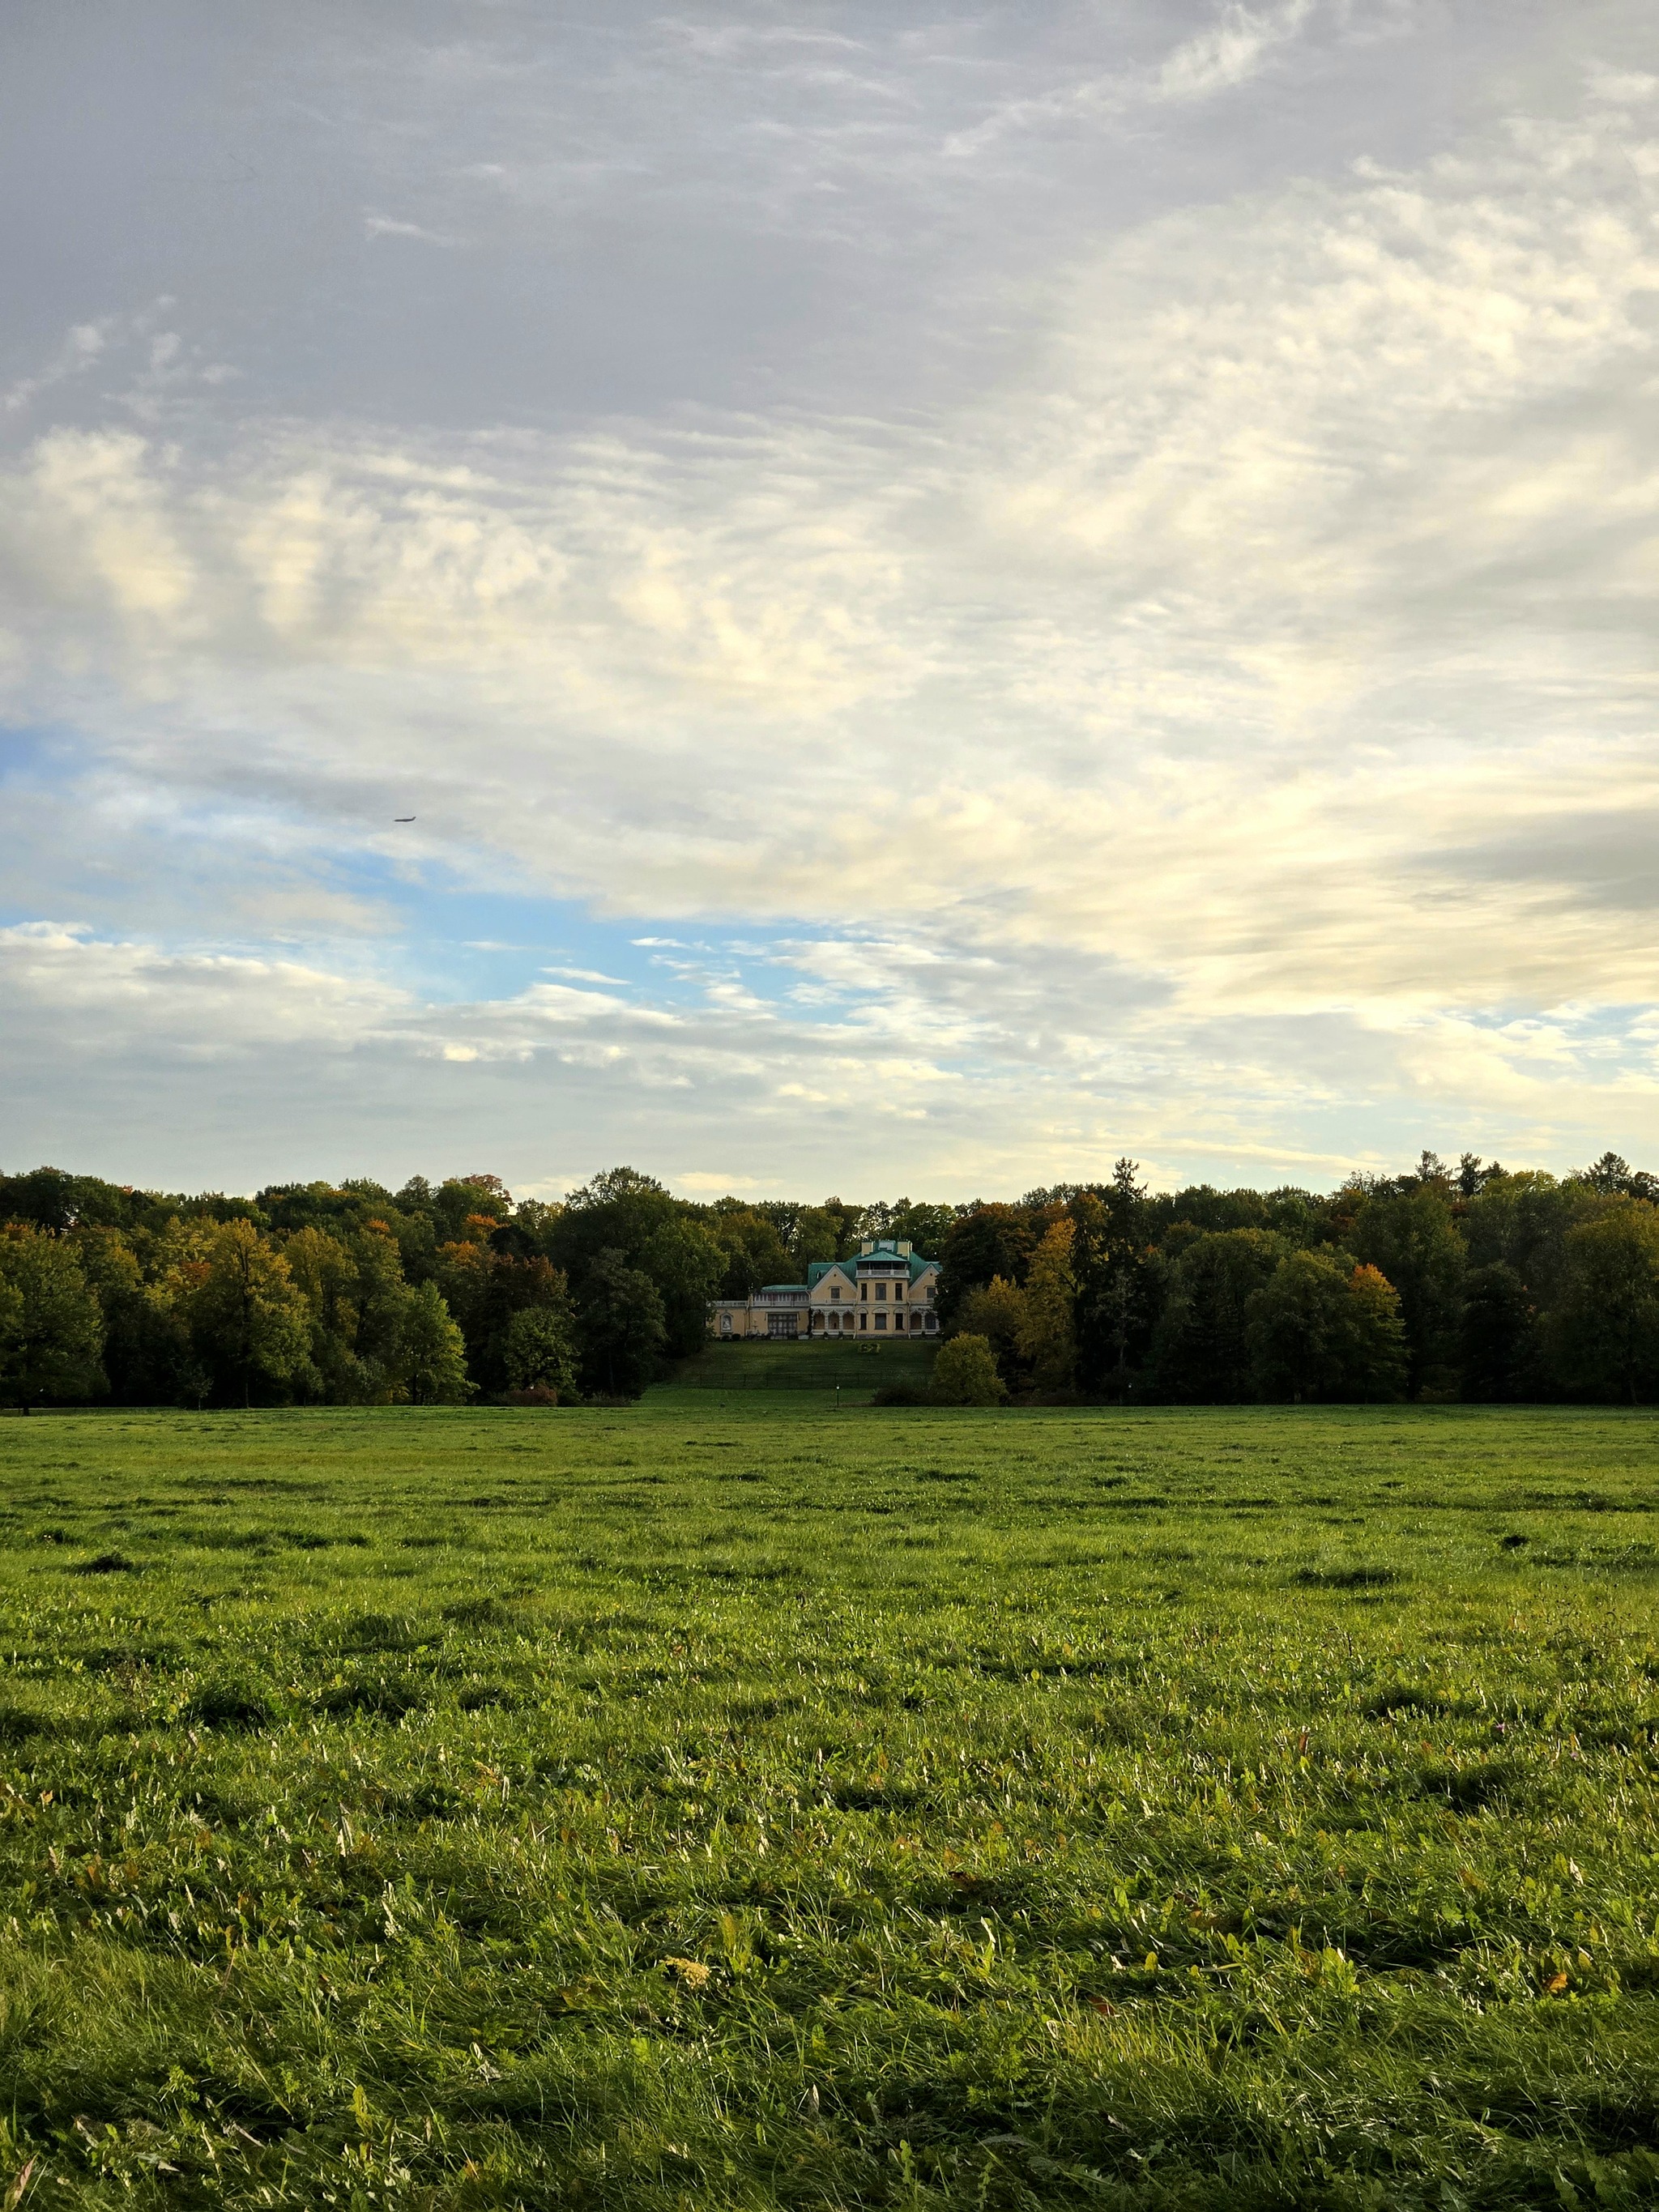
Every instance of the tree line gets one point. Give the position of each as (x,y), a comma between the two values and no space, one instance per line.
(1472,1282)
(353,1294)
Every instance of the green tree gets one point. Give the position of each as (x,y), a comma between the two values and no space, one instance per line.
(986,1242)
(246,1317)
(630,1215)
(686,1265)
(51,1329)
(1370,1341)
(1522,1220)
(997,1312)
(965,1374)
(381,1297)
(1202,1353)
(1604,1334)
(819,1235)
(751,1250)
(915,1222)
(469,1198)
(1409,1236)
(1322,1327)
(541,1350)
(431,1356)
(623,1327)
(324,1274)
(1497,1334)
(1118,1274)
(146,1354)
(11,1323)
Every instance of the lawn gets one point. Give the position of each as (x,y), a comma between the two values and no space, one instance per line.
(744,1800)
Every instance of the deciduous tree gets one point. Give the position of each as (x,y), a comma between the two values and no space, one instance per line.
(432,1353)
(1322,1328)
(51,1329)
(623,1327)
(1605,1332)
(1202,1353)
(1048,1334)
(541,1350)
(246,1317)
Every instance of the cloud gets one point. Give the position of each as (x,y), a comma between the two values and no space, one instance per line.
(385,225)
(1231,51)
(1232,719)
(81,349)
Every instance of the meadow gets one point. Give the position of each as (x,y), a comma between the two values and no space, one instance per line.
(737,1800)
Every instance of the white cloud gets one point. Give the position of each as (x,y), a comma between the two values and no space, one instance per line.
(1229,705)
(1231,51)
(387,226)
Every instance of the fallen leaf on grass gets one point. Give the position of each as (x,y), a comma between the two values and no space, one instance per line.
(692,1971)
(1555,1984)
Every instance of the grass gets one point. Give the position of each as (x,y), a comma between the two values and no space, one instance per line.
(855,1367)
(737,1802)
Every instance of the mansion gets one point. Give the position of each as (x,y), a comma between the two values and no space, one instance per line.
(887,1290)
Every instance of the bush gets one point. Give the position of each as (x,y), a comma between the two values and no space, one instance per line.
(965,1374)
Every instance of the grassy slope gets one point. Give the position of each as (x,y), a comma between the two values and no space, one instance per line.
(855,1368)
(741,1804)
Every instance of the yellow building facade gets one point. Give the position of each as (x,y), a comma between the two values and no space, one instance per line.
(885,1290)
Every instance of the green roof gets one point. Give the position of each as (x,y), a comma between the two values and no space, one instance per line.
(886,1249)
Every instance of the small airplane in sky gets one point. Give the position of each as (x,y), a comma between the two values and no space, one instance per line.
(402,818)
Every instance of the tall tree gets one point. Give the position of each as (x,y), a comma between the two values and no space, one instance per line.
(541,1350)
(51,1329)
(1322,1328)
(996,1312)
(1201,1352)
(147,1354)
(988,1241)
(1118,1283)
(623,1327)
(1410,1236)
(627,1213)
(432,1355)
(246,1317)
(1047,1337)
(1605,1332)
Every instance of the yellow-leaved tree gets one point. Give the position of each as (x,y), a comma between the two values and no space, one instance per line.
(1047,1333)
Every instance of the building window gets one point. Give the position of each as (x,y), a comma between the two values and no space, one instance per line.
(863,1291)
(881,1290)
(881,1321)
(864,1321)
(835,1289)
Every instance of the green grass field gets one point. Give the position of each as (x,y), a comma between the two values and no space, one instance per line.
(737,1802)
(855,1368)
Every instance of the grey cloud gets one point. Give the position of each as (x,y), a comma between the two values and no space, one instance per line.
(1596,858)
(1097,563)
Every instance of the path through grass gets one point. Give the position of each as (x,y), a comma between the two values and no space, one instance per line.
(743,1803)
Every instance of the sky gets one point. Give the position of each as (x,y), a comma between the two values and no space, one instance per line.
(953,591)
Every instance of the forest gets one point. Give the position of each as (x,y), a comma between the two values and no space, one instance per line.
(1473,1282)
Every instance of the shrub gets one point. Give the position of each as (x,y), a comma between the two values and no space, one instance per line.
(965,1374)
